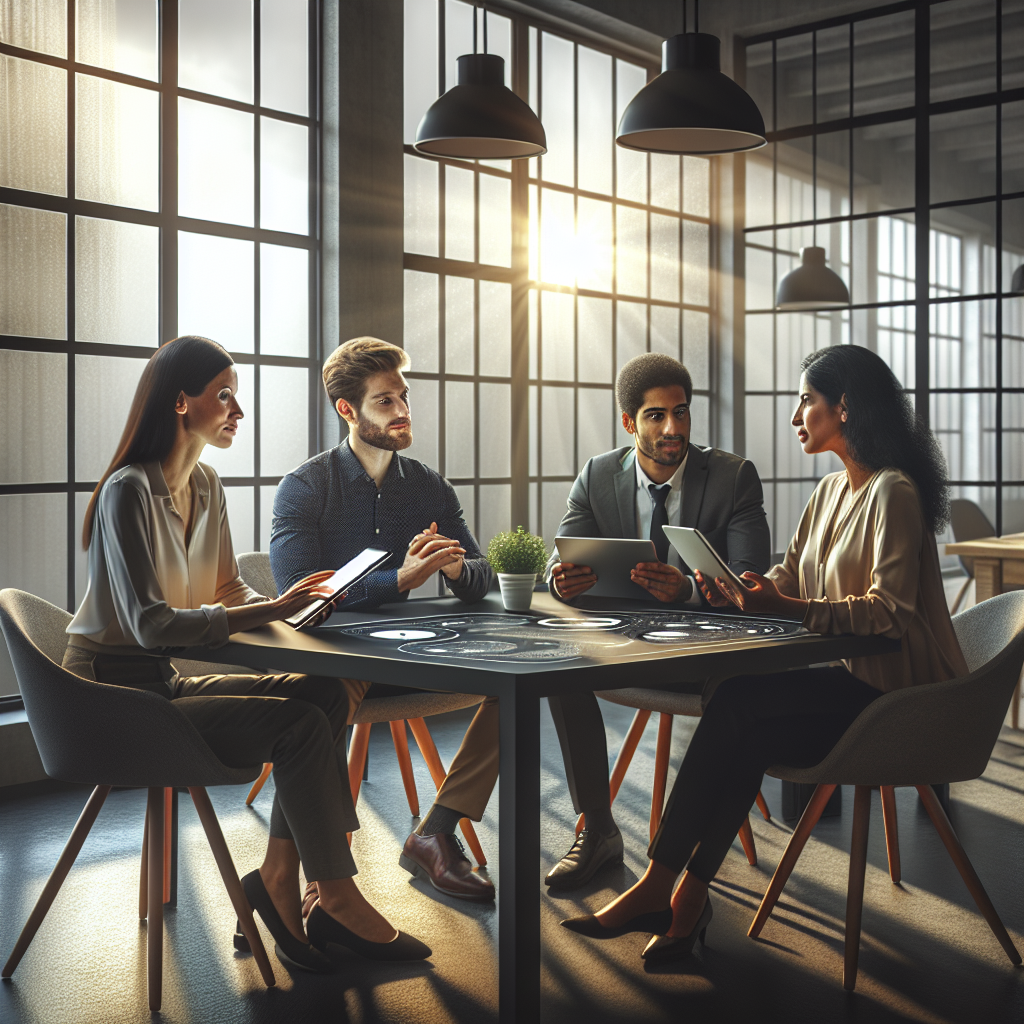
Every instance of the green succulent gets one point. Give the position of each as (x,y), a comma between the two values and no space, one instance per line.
(518,552)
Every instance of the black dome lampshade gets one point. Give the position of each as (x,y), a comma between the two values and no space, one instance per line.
(480,118)
(811,285)
(691,107)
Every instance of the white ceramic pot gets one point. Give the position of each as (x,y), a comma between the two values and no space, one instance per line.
(516,590)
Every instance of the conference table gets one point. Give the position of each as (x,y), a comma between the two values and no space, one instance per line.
(521,657)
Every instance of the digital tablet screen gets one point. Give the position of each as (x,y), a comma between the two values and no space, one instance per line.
(697,553)
(612,559)
(349,574)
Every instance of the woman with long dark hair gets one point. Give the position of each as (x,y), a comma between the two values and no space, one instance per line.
(863,560)
(162,575)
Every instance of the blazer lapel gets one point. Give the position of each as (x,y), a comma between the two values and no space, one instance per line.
(695,478)
(625,495)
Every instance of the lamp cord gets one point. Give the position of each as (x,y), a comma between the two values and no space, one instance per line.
(696,16)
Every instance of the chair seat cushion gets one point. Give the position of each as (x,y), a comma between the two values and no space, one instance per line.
(665,701)
(416,704)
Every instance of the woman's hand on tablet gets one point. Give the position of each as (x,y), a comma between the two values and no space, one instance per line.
(761,596)
(304,593)
(663,581)
(712,594)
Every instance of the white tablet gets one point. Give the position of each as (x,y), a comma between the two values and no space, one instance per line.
(611,558)
(697,553)
(349,574)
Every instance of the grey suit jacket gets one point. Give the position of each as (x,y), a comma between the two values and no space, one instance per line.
(722,498)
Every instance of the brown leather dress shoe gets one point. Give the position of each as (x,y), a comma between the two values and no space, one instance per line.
(440,859)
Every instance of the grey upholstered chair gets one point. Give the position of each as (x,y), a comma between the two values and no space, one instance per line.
(396,710)
(105,736)
(919,736)
(667,704)
(968,522)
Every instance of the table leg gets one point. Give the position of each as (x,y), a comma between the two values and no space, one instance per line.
(988,579)
(519,858)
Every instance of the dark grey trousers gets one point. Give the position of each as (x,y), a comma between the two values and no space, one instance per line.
(297,722)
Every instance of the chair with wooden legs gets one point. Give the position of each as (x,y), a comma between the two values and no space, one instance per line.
(667,704)
(398,710)
(920,736)
(106,736)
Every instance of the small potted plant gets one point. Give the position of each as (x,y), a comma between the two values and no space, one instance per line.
(517,558)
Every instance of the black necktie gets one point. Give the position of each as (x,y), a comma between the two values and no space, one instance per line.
(659,518)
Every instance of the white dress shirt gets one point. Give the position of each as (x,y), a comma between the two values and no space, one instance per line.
(673,509)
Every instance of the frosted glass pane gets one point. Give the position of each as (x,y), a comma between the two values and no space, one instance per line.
(495,513)
(458,214)
(284,176)
(420,331)
(630,166)
(594,245)
(557,414)
(116,282)
(284,419)
(33,130)
(759,435)
(458,33)
(104,389)
(553,505)
(267,495)
(696,347)
(215,172)
(33,549)
(630,333)
(556,324)
(215,47)
(533,333)
(238,459)
(495,220)
(595,423)
(631,251)
(458,333)
(215,289)
(117,135)
(423,399)
(665,330)
(664,257)
(284,67)
(32,272)
(495,429)
(665,181)
(35,25)
(120,35)
(284,303)
(421,206)
(594,336)
(419,65)
(81,555)
(241,518)
(596,121)
(695,258)
(557,238)
(460,444)
(557,102)
(696,186)
(495,329)
(34,448)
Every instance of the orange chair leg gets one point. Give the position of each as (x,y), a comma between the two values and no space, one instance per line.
(892,839)
(435,766)
(405,764)
(762,806)
(855,888)
(747,841)
(802,832)
(258,784)
(661,757)
(625,757)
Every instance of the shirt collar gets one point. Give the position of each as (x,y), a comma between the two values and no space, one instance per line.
(158,485)
(352,468)
(675,482)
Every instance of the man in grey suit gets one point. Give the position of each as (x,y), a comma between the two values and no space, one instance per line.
(662,479)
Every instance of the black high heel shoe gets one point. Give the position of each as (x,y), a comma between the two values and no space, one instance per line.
(663,948)
(325,931)
(291,951)
(654,921)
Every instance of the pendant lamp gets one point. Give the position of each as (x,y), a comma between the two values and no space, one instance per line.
(691,107)
(811,285)
(480,118)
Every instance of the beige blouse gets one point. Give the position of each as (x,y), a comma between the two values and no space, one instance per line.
(146,590)
(873,567)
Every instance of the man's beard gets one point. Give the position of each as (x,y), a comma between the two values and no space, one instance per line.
(375,437)
(664,458)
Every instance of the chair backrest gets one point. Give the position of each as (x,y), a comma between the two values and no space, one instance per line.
(968,522)
(938,732)
(254,568)
(96,733)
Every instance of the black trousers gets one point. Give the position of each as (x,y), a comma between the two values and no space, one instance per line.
(751,723)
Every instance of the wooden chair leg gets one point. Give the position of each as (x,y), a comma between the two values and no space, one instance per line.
(155,917)
(1015,707)
(661,756)
(428,749)
(57,876)
(892,839)
(966,869)
(762,806)
(168,838)
(625,757)
(357,751)
(258,784)
(222,856)
(855,888)
(747,841)
(401,742)
(144,874)
(960,595)
(812,812)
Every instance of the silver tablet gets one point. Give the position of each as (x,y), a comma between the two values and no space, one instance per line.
(347,576)
(611,559)
(697,553)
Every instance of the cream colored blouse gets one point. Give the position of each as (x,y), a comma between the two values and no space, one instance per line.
(872,566)
(146,590)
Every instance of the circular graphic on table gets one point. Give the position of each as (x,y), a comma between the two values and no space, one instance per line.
(665,635)
(592,623)
(404,634)
(466,648)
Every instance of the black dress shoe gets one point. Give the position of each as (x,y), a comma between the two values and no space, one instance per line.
(663,948)
(655,921)
(588,854)
(328,933)
(291,951)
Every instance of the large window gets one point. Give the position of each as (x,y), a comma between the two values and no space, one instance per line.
(896,140)
(157,177)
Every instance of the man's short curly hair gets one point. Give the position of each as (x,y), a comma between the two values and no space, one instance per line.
(350,366)
(646,371)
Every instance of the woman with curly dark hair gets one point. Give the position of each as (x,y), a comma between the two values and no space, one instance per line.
(863,560)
